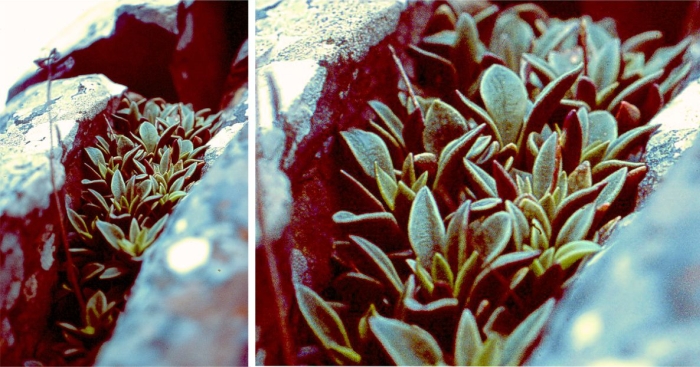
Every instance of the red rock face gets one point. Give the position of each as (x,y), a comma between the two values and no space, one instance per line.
(210,32)
(31,247)
(135,54)
(146,49)
(30,272)
(674,18)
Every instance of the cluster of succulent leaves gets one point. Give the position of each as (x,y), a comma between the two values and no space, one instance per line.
(151,157)
(468,207)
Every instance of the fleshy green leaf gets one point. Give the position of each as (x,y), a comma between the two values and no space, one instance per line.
(481,180)
(407,345)
(619,148)
(665,55)
(118,185)
(443,123)
(635,42)
(545,167)
(90,270)
(572,252)
(525,334)
(322,319)
(394,125)
(468,339)
(602,127)
(95,156)
(490,353)
(387,186)
(520,225)
(547,101)
(553,37)
(605,67)
(458,236)
(149,136)
(481,117)
(441,269)
(543,70)
(452,155)
(164,161)
(111,233)
(368,148)
(467,50)
(492,236)
(111,273)
(426,232)
(505,98)
(380,261)
(78,223)
(155,229)
(615,182)
(534,210)
(577,226)
(124,144)
(512,30)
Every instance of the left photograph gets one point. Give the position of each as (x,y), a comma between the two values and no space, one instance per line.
(124,183)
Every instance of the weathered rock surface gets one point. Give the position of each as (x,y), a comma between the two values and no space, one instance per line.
(179,51)
(638,302)
(234,118)
(310,47)
(680,121)
(189,304)
(29,234)
(132,43)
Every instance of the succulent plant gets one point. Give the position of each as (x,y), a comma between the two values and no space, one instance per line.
(151,157)
(471,204)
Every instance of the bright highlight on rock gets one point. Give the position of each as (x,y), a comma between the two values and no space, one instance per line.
(188,254)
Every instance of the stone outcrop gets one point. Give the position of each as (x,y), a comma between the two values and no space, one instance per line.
(132,43)
(680,121)
(30,239)
(179,51)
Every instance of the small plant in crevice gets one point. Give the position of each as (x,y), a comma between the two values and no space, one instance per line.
(471,201)
(133,177)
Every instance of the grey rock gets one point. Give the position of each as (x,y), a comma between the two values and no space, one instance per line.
(131,42)
(29,226)
(299,42)
(234,119)
(295,30)
(679,123)
(273,196)
(179,51)
(638,302)
(189,303)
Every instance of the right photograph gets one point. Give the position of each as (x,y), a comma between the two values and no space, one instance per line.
(477,183)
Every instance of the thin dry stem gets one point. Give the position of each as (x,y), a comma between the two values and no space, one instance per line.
(70,267)
(404,76)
